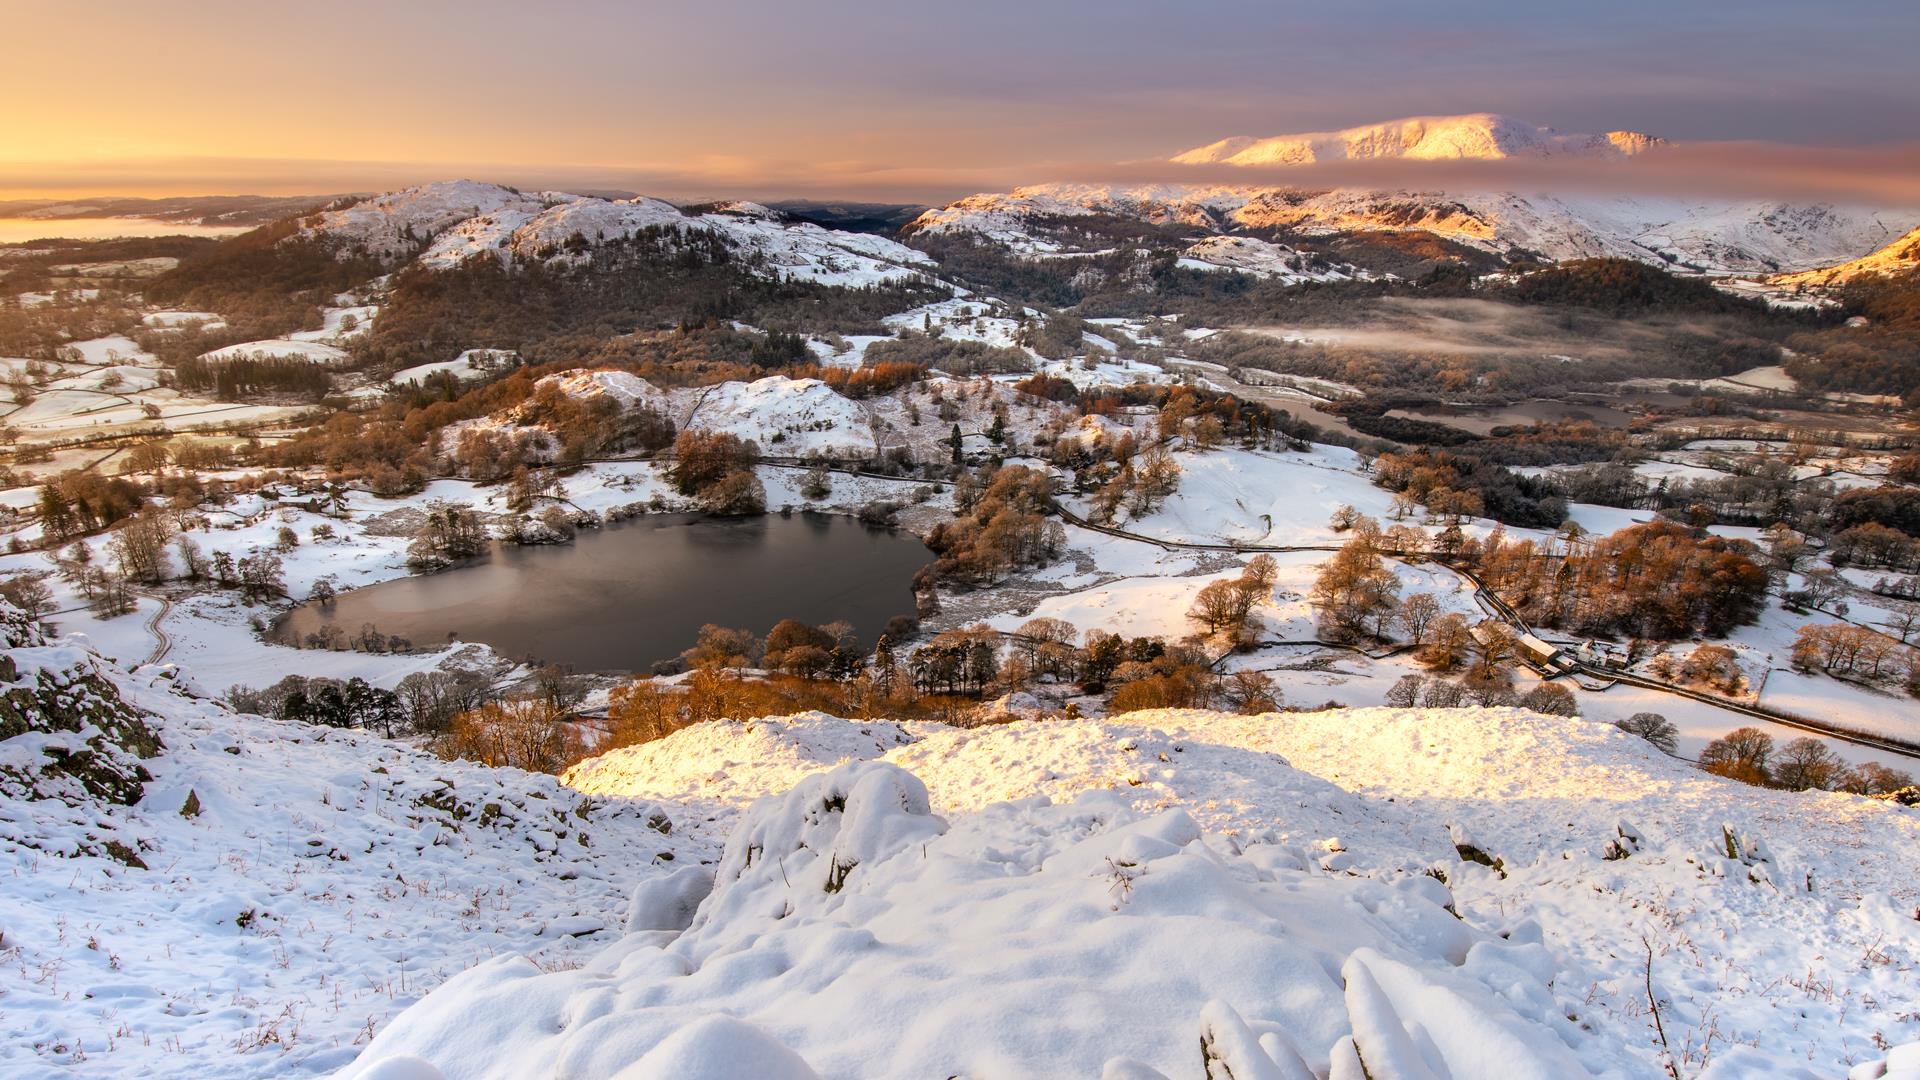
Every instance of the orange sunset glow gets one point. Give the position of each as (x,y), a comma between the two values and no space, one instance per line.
(1005,540)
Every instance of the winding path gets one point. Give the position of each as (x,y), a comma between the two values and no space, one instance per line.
(162,644)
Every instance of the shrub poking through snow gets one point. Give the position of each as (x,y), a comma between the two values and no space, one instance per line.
(1472,852)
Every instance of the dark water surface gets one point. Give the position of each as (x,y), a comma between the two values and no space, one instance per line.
(1482,421)
(621,597)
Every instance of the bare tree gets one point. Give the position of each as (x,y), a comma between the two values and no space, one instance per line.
(1652,727)
(1405,692)
(1742,754)
(1417,613)
(1807,763)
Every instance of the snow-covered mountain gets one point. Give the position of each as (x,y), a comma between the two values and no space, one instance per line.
(447,224)
(1703,234)
(1475,136)
(1708,235)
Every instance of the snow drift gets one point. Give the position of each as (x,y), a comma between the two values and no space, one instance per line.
(866,936)
(1584,862)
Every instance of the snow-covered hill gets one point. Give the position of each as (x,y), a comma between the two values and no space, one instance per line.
(1708,235)
(449,223)
(1180,894)
(1900,257)
(1479,136)
(394,224)
(786,417)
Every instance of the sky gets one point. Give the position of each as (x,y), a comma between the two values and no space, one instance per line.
(884,100)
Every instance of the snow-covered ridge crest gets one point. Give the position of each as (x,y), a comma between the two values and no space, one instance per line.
(448,224)
(1474,136)
(394,224)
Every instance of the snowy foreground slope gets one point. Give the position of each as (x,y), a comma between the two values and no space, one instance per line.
(1450,893)
(1372,892)
(326,880)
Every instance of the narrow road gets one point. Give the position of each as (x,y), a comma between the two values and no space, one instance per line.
(162,644)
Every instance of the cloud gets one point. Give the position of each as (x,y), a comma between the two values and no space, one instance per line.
(1885,175)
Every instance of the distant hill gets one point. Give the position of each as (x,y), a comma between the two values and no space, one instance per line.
(251,210)
(1900,257)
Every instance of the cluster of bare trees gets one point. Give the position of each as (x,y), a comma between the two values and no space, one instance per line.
(999,527)
(1356,594)
(1454,487)
(1428,692)
(335,638)
(1140,484)
(1223,608)
(448,534)
(1716,667)
(1749,755)
(147,548)
(1658,580)
(523,732)
(424,703)
(717,469)
(1857,652)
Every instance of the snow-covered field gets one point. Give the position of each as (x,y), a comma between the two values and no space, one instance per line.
(318,352)
(470,364)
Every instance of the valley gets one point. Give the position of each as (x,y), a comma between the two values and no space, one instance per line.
(1375,626)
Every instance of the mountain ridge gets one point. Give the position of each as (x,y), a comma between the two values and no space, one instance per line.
(1719,236)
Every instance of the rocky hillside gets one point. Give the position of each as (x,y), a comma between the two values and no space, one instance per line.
(187,891)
